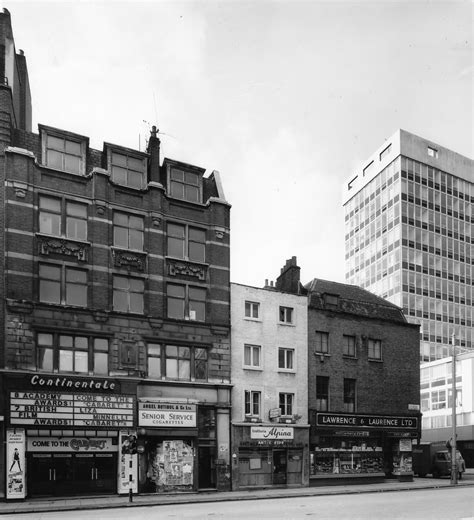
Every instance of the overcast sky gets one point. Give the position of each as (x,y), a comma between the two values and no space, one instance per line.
(284,98)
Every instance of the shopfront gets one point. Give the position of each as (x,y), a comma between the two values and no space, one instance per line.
(63,435)
(356,446)
(269,456)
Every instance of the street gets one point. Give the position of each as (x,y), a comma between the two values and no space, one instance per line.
(445,504)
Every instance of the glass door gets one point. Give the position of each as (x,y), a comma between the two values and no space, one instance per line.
(40,474)
(84,472)
(63,474)
(104,473)
(279,467)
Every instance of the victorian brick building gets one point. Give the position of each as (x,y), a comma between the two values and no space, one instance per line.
(363,385)
(115,311)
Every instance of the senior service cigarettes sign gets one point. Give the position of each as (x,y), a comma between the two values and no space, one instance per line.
(167,415)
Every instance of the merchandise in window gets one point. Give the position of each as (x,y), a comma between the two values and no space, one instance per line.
(252,309)
(70,353)
(62,285)
(186,302)
(128,231)
(62,218)
(186,243)
(286,314)
(285,358)
(128,294)
(185,185)
(64,154)
(128,170)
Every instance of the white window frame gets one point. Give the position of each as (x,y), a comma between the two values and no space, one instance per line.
(252,349)
(286,351)
(66,138)
(372,346)
(286,315)
(128,169)
(252,306)
(287,395)
(251,394)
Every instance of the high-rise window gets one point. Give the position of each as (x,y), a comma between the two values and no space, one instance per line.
(187,243)
(286,314)
(321,342)
(62,218)
(128,294)
(286,403)
(186,302)
(62,285)
(349,395)
(185,185)
(322,393)
(128,231)
(64,154)
(128,170)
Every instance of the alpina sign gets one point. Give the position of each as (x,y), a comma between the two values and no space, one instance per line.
(271,432)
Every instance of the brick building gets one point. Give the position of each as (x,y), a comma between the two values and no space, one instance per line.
(269,383)
(363,384)
(115,357)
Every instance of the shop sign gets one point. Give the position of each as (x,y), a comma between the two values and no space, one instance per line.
(72,383)
(405,444)
(47,408)
(15,466)
(381,422)
(274,413)
(128,464)
(73,444)
(271,432)
(167,414)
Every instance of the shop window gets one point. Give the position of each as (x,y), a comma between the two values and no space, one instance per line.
(321,342)
(252,309)
(62,218)
(375,349)
(64,154)
(186,302)
(184,363)
(348,346)
(252,356)
(128,294)
(128,170)
(185,185)
(62,285)
(286,314)
(186,242)
(322,393)
(286,358)
(350,395)
(71,353)
(252,403)
(128,231)
(286,404)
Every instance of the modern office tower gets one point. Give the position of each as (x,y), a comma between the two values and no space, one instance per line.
(409,236)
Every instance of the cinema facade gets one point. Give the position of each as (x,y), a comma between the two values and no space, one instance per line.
(67,435)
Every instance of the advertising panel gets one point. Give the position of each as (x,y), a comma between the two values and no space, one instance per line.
(72,445)
(128,463)
(167,414)
(15,467)
(271,432)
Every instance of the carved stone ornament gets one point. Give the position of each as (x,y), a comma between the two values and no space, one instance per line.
(156,220)
(219,234)
(129,259)
(20,189)
(184,268)
(62,246)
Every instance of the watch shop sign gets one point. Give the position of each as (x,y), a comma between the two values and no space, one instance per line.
(271,432)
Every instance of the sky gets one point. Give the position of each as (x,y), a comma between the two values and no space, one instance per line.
(286,99)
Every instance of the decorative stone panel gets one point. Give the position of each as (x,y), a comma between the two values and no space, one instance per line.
(61,246)
(131,260)
(186,269)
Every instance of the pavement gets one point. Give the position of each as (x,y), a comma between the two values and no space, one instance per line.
(45,505)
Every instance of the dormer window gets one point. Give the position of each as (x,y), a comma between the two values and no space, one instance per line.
(64,151)
(128,170)
(185,185)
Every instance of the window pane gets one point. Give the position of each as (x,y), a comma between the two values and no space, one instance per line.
(136,164)
(119,159)
(73,147)
(120,301)
(121,237)
(197,310)
(76,228)
(50,224)
(191,178)
(55,142)
(184,369)
(50,292)
(76,276)
(136,303)
(172,368)
(45,359)
(72,164)
(154,367)
(54,159)
(175,308)
(135,179)
(65,360)
(101,363)
(192,193)
(101,344)
(136,239)
(197,294)
(66,341)
(177,175)
(176,290)
(177,190)
(81,342)
(256,356)
(119,175)
(247,355)
(176,247)
(45,339)
(197,252)
(80,361)
(154,349)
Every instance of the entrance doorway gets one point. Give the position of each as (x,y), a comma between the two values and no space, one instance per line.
(279,467)
(207,470)
(62,474)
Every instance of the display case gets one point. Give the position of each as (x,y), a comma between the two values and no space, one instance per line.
(346,461)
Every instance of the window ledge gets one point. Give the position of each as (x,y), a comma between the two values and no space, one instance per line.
(375,360)
(287,370)
(255,369)
(257,320)
(285,324)
(49,169)
(346,356)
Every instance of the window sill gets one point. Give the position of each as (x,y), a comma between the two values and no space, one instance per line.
(255,369)
(346,356)
(257,320)
(285,324)
(375,360)
(81,175)
(286,370)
